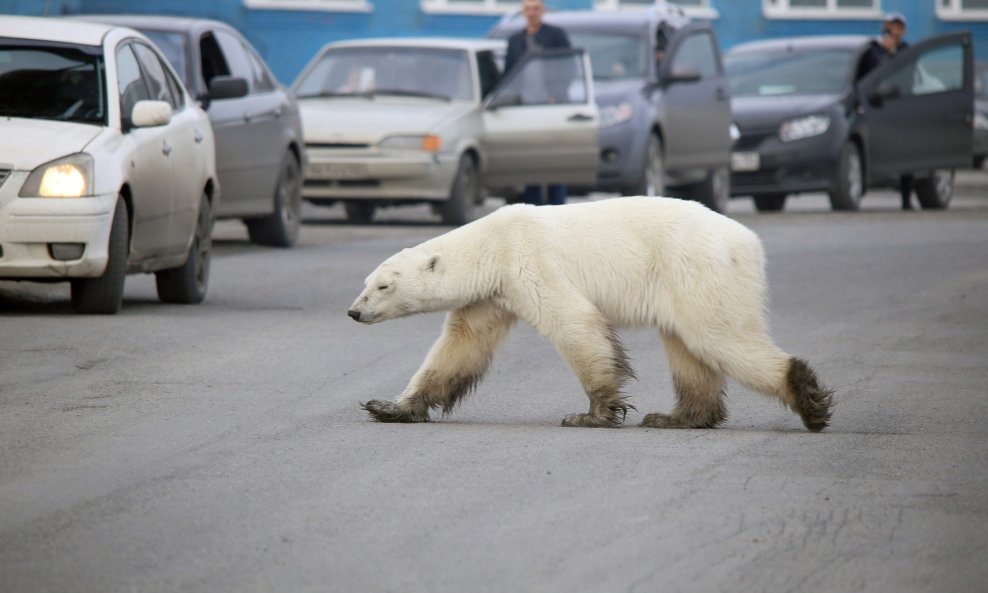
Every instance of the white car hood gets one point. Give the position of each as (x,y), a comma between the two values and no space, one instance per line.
(367,121)
(27,143)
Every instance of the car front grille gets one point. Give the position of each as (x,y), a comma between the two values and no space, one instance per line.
(332,145)
(751,141)
(4,174)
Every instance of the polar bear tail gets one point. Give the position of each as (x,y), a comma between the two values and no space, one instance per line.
(810,400)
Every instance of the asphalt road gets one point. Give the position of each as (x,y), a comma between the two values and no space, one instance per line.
(220,448)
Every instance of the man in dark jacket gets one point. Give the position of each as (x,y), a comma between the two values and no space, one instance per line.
(536,36)
(890,44)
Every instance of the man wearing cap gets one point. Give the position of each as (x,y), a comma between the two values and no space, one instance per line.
(890,44)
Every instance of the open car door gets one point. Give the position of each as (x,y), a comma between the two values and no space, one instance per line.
(919,108)
(540,122)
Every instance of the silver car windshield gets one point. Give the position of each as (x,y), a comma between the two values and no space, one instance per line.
(613,55)
(403,71)
(817,72)
(57,82)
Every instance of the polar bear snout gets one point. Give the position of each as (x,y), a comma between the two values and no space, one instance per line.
(354,314)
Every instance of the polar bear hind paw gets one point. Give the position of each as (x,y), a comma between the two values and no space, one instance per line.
(385,411)
(659,420)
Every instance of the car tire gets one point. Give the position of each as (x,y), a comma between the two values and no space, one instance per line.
(714,192)
(104,295)
(849,185)
(464,194)
(770,202)
(281,228)
(934,192)
(652,177)
(187,283)
(360,211)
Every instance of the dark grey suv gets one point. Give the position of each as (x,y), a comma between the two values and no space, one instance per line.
(664,125)
(259,147)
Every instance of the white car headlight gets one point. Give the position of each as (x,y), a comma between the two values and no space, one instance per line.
(612,115)
(67,177)
(735,132)
(804,127)
(980,121)
(426,142)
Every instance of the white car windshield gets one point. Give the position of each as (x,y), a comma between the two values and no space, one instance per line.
(816,72)
(51,82)
(403,71)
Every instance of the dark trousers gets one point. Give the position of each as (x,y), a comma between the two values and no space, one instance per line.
(906,185)
(534,194)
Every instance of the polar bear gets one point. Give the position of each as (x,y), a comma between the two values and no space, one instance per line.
(577,273)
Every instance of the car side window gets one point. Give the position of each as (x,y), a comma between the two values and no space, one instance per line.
(236,58)
(698,52)
(262,80)
(157,79)
(130,81)
(212,61)
(937,70)
(548,78)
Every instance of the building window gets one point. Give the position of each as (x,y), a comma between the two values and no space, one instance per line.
(694,8)
(471,6)
(827,9)
(331,5)
(962,10)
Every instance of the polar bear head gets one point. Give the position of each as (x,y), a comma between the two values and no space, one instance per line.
(410,281)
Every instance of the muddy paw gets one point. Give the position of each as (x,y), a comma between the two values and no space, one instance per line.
(384,411)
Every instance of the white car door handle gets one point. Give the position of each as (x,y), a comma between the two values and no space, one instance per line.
(166,148)
(580,117)
(198,137)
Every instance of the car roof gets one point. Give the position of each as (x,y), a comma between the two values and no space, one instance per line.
(661,11)
(154,21)
(54,29)
(469,44)
(808,42)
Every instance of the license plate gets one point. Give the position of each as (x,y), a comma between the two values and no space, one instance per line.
(337,170)
(745,161)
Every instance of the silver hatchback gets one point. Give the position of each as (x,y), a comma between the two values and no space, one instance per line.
(403,121)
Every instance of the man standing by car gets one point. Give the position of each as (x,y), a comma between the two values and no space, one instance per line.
(890,44)
(536,36)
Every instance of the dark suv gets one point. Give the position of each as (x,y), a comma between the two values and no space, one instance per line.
(664,124)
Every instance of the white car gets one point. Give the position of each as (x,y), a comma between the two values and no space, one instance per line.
(400,121)
(107,165)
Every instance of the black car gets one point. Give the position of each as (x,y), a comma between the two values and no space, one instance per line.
(665,126)
(810,119)
(259,147)
(980,115)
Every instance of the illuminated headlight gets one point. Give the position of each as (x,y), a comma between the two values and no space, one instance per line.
(980,121)
(67,177)
(735,132)
(804,127)
(426,142)
(612,115)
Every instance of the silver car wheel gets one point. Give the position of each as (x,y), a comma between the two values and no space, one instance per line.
(654,169)
(855,178)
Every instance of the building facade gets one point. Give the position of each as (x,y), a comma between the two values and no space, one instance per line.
(288,32)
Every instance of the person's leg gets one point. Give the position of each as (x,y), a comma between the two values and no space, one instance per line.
(906,185)
(557,194)
(533,195)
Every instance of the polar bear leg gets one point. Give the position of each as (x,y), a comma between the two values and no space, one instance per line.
(591,346)
(699,390)
(454,365)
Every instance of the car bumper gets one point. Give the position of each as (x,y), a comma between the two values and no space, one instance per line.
(785,167)
(39,237)
(373,174)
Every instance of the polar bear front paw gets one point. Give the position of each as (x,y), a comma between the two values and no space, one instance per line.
(592,421)
(384,411)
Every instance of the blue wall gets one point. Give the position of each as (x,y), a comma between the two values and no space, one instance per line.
(288,38)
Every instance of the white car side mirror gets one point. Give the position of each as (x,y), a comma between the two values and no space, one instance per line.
(150,113)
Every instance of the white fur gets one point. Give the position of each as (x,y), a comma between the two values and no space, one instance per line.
(576,271)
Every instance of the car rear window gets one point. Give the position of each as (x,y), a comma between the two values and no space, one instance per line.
(57,82)
(773,72)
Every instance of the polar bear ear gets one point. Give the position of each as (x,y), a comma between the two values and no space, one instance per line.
(432,264)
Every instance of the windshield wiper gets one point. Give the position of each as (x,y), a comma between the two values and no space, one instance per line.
(335,94)
(409,93)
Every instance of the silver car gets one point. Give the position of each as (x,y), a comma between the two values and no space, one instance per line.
(402,121)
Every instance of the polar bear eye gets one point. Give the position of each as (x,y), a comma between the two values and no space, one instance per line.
(382,287)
